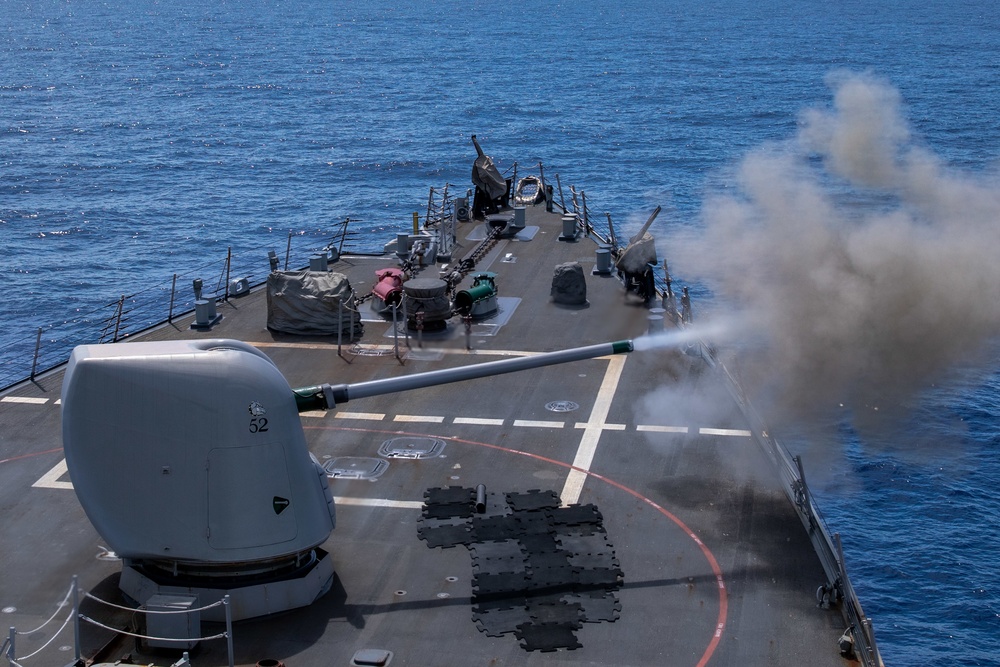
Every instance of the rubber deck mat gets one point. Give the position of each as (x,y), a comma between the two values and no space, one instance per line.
(540,571)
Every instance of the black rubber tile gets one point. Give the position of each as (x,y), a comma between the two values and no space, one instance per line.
(562,613)
(575,515)
(546,637)
(448,510)
(445,536)
(451,494)
(533,500)
(499,622)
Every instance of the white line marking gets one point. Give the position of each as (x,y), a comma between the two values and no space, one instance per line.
(50,480)
(606,427)
(531,423)
(314,413)
(24,399)
(725,431)
(367,416)
(477,421)
(423,419)
(653,428)
(592,434)
(378,502)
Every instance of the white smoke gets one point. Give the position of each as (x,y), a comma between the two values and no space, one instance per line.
(865,265)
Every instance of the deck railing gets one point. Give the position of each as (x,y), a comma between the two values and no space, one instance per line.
(45,347)
(858,639)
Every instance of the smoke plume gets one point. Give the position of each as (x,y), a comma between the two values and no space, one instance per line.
(864,265)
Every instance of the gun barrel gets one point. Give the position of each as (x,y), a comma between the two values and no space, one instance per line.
(645,226)
(326,396)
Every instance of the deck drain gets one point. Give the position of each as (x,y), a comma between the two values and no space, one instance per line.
(355,467)
(411,447)
(562,406)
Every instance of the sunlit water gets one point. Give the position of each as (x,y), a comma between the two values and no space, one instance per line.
(140,138)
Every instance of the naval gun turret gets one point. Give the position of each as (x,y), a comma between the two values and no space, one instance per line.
(190,460)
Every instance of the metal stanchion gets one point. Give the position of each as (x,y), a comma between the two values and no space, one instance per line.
(229,628)
(76,618)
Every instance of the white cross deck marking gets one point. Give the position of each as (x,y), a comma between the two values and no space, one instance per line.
(592,432)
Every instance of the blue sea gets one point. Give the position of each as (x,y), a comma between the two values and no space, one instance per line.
(141,139)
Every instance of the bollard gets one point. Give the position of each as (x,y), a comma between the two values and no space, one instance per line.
(480,498)
(318,262)
(203,312)
(568,228)
(603,265)
(519,219)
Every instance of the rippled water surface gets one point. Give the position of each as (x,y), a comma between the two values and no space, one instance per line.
(141,138)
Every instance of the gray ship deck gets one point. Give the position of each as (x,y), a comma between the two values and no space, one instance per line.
(716,567)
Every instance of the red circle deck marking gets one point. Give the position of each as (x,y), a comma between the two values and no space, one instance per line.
(31,455)
(709,556)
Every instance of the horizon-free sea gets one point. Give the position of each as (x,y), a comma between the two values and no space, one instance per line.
(140,138)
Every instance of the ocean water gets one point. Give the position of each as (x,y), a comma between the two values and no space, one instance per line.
(139,139)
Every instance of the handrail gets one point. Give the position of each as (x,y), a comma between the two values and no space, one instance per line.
(44,348)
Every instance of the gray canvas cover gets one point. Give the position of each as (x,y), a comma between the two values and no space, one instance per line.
(309,303)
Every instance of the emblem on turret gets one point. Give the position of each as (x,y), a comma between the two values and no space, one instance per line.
(256,409)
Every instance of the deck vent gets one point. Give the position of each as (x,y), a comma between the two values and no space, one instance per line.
(562,406)
(411,447)
(355,467)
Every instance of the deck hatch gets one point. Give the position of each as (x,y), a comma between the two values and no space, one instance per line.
(411,447)
(371,657)
(355,467)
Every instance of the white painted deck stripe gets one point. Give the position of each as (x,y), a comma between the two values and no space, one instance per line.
(532,423)
(367,416)
(314,413)
(477,421)
(735,432)
(606,427)
(378,502)
(420,419)
(654,428)
(592,434)
(24,399)
(50,480)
